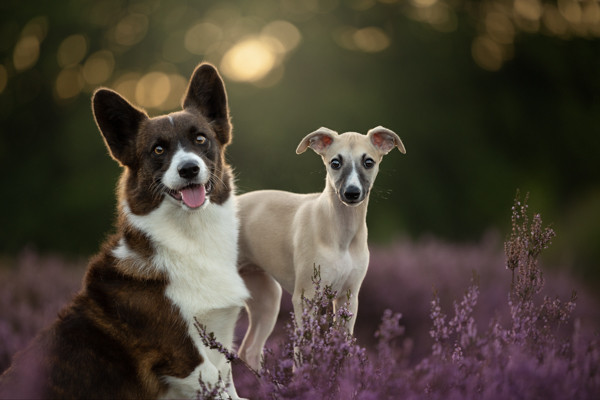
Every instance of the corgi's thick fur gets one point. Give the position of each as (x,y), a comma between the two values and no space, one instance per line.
(129,333)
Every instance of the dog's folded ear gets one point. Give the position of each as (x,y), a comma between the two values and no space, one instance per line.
(318,140)
(385,140)
(119,122)
(206,94)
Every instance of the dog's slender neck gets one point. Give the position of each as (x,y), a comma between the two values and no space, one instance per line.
(344,223)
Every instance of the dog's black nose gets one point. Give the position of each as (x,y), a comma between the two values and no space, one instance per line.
(352,193)
(188,170)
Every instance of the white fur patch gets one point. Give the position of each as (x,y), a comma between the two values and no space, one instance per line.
(123,252)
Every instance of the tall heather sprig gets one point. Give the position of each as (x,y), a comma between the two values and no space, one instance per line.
(535,323)
(320,355)
(527,358)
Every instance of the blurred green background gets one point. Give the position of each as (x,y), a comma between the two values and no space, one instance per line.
(488,96)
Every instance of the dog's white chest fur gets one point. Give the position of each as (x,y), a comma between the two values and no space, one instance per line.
(198,251)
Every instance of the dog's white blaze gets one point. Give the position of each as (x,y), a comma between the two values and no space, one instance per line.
(171,178)
(198,252)
(353,179)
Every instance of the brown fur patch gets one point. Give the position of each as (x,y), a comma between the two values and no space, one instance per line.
(117,339)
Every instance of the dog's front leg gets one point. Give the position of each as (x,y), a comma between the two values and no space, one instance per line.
(352,306)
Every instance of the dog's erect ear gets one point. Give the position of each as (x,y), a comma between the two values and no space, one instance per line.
(318,140)
(118,122)
(206,94)
(385,140)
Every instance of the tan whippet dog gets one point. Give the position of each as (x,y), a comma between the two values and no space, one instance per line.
(283,235)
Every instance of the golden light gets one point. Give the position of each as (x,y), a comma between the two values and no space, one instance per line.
(500,27)
(249,60)
(3,78)
(284,32)
(487,53)
(37,27)
(528,9)
(178,85)
(371,39)
(126,84)
(99,67)
(26,53)
(554,21)
(153,89)
(423,3)
(131,29)
(571,10)
(591,17)
(202,38)
(69,83)
(71,51)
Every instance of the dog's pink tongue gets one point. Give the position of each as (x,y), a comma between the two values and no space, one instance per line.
(193,196)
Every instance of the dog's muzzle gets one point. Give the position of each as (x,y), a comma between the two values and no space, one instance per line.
(351,195)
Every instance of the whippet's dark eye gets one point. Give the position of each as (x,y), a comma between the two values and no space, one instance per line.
(200,139)
(159,150)
(369,163)
(335,164)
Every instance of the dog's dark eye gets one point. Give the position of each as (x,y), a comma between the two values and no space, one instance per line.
(369,163)
(200,139)
(159,150)
(335,163)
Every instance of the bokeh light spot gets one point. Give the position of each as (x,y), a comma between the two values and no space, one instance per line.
(285,32)
(37,27)
(69,83)
(423,3)
(153,89)
(487,53)
(98,68)
(554,21)
(126,84)
(371,39)
(178,85)
(26,53)
(249,60)
(528,9)
(571,10)
(72,50)
(500,27)
(131,29)
(202,38)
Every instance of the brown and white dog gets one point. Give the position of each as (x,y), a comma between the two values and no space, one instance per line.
(284,235)
(130,332)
